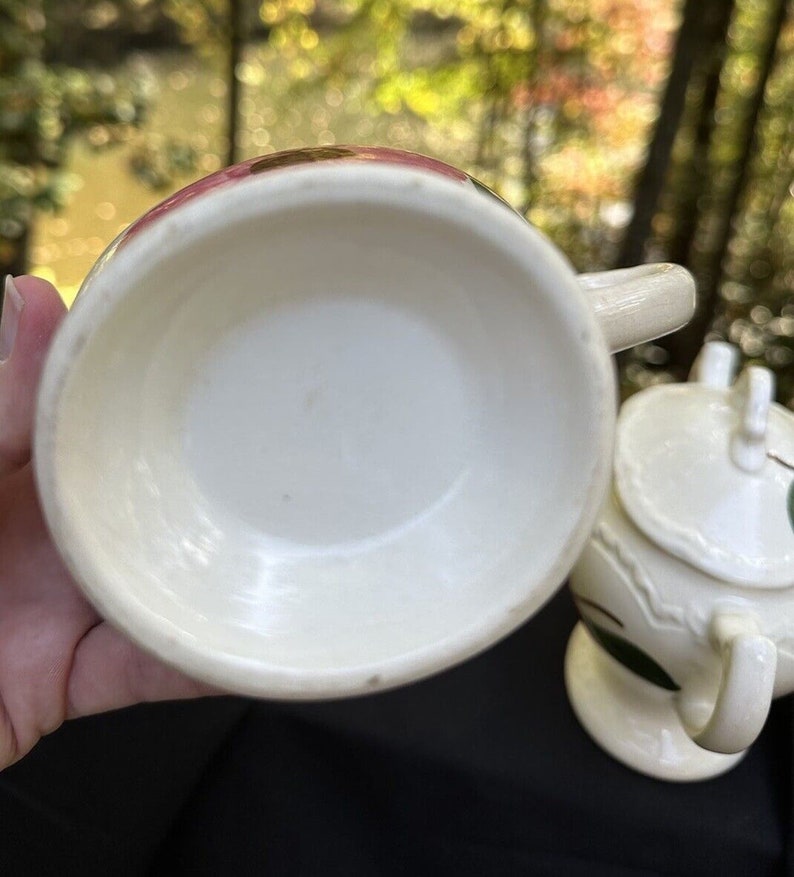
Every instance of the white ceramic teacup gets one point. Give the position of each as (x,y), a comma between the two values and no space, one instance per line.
(333,420)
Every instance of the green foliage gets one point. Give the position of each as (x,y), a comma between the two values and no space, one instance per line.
(549,100)
(159,162)
(41,106)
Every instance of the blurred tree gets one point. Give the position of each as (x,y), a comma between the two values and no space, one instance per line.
(549,101)
(697,63)
(219,29)
(724,209)
(236,30)
(756,289)
(41,106)
(530,84)
(98,33)
(552,96)
(684,346)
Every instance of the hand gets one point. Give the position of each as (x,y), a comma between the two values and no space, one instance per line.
(58,658)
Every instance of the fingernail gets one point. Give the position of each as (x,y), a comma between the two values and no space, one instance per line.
(12,305)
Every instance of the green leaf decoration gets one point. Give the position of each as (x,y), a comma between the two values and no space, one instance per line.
(632,657)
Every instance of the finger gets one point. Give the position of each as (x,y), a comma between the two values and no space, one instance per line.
(42,619)
(32,311)
(109,672)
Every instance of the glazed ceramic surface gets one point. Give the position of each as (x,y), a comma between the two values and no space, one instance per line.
(332,420)
(685,587)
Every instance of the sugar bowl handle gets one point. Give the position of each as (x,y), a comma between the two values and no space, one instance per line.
(634,305)
(749,663)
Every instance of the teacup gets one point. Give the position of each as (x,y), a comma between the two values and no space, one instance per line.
(685,588)
(332,420)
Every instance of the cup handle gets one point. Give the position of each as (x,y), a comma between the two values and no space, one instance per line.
(749,663)
(634,305)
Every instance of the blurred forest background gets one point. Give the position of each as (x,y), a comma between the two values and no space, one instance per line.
(628,130)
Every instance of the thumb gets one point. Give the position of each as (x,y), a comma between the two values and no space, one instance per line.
(31,312)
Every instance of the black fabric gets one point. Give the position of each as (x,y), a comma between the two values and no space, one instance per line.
(99,795)
(482,770)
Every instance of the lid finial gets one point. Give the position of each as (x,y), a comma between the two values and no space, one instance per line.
(716,364)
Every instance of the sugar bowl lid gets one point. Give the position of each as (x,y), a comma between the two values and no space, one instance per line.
(705,469)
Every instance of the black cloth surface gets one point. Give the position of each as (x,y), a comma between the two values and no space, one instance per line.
(482,770)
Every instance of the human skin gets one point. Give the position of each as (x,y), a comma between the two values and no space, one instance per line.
(58,659)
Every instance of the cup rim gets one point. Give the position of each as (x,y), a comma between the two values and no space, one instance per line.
(111,281)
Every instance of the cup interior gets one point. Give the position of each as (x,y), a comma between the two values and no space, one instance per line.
(325,432)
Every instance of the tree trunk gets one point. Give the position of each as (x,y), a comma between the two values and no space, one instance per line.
(692,191)
(683,347)
(537,16)
(694,35)
(236,45)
